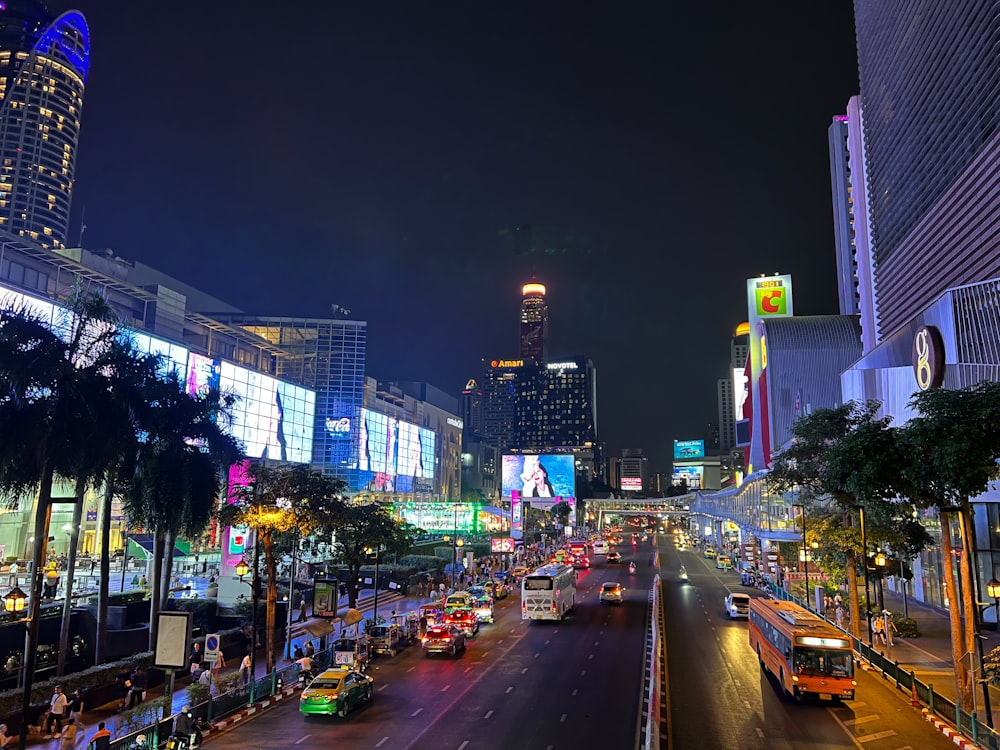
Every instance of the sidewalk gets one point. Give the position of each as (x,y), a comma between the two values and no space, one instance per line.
(108,713)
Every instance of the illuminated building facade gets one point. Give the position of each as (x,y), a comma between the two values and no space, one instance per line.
(556,405)
(500,386)
(43,70)
(534,331)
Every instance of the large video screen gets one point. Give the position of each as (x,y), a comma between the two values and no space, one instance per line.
(689,449)
(534,475)
(398,456)
(273,418)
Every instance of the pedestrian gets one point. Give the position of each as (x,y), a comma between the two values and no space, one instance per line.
(123,682)
(137,693)
(309,650)
(57,710)
(5,739)
(101,739)
(14,570)
(879,627)
(297,652)
(184,725)
(220,663)
(93,565)
(195,659)
(205,678)
(67,739)
(888,627)
(135,581)
(142,581)
(245,670)
(838,614)
(75,705)
(302,610)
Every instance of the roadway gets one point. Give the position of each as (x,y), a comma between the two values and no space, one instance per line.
(526,685)
(720,698)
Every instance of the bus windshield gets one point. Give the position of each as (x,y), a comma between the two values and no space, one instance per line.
(820,662)
(533,583)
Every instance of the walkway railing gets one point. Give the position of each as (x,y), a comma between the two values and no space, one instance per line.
(906,681)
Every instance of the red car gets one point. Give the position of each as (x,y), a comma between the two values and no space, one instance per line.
(465,619)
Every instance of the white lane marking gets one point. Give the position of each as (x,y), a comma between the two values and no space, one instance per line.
(862,720)
(575,691)
(524,671)
(302,739)
(877,736)
(562,719)
(411,669)
(583,673)
(416,712)
(381,688)
(746,703)
(381,742)
(509,689)
(468,669)
(760,732)
(463,745)
(488,714)
(596,643)
(536,656)
(548,642)
(445,688)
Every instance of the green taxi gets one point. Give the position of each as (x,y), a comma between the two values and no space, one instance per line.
(336,691)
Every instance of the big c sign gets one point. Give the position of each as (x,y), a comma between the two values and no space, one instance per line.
(928,358)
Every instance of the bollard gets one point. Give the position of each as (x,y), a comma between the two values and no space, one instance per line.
(914,698)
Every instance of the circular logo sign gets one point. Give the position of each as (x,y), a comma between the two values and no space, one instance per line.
(928,358)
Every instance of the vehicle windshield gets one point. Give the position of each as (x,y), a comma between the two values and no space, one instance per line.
(344,646)
(816,661)
(537,583)
(326,683)
(379,631)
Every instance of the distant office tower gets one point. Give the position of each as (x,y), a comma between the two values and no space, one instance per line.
(556,405)
(43,69)
(500,393)
(731,391)
(851,230)
(470,407)
(534,323)
(930,93)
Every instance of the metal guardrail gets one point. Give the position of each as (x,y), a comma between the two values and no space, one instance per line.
(907,682)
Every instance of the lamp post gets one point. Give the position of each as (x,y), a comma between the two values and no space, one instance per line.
(805,551)
(880,562)
(864,556)
(376,552)
(242,568)
(993,591)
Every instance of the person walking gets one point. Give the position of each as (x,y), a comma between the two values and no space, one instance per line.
(101,739)
(57,709)
(302,609)
(888,626)
(68,736)
(879,627)
(137,693)
(245,670)
(123,682)
(838,615)
(14,570)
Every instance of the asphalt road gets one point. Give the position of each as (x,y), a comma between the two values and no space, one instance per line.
(532,685)
(720,698)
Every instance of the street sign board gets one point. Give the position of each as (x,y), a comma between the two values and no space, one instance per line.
(212,647)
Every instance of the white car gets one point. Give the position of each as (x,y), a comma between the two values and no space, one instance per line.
(737,605)
(612,593)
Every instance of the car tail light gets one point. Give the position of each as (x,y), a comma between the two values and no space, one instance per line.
(447,639)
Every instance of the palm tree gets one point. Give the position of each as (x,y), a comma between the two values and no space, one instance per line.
(179,463)
(280,500)
(54,384)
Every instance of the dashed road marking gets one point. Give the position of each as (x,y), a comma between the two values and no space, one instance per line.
(562,719)
(381,742)
(302,739)
(876,736)
(463,745)
(862,720)
(381,688)
(524,671)
(445,688)
(488,714)
(509,689)
(416,712)
(760,732)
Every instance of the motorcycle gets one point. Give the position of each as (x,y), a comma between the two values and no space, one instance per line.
(684,574)
(631,568)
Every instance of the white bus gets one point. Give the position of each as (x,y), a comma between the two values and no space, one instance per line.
(548,593)
(600,547)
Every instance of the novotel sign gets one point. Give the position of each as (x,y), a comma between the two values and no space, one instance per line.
(507,363)
(561,366)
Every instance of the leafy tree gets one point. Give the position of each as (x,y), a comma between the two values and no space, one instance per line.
(560,511)
(841,459)
(952,446)
(280,500)
(57,387)
(179,461)
(364,527)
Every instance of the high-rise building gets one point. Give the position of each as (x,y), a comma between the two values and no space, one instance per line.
(534,323)
(556,405)
(43,70)
(470,407)
(848,185)
(500,394)
(930,95)
(732,390)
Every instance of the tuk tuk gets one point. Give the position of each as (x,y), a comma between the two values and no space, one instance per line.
(352,651)
(432,613)
(409,627)
(386,639)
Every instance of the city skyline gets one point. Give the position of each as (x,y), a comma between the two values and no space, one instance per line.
(662,157)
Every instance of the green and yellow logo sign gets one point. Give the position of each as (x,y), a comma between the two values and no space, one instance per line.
(771,297)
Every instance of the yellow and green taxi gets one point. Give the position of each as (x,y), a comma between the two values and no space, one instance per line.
(336,691)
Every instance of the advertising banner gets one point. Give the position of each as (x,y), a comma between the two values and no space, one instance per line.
(516,515)
(689,449)
(325,597)
(502,544)
(534,475)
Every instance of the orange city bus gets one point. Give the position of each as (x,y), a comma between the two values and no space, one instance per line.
(808,655)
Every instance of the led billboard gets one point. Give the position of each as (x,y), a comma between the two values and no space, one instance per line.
(533,475)
(397,456)
(689,449)
(691,475)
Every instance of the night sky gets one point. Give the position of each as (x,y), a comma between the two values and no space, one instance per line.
(286,157)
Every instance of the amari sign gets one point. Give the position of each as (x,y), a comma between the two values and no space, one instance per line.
(928,358)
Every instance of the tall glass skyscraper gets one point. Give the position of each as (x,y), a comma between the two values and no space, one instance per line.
(534,332)
(43,69)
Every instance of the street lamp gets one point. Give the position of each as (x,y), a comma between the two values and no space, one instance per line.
(805,551)
(369,551)
(15,600)
(864,556)
(458,546)
(993,591)
(242,568)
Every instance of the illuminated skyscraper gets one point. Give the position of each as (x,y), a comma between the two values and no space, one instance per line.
(534,323)
(43,69)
